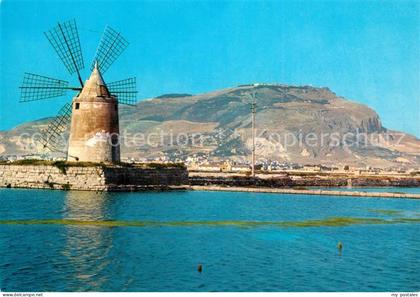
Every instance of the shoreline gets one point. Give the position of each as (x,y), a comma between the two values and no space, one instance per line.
(308,192)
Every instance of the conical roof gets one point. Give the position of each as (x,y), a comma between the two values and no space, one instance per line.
(95,86)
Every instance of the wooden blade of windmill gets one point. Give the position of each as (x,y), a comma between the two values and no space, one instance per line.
(38,87)
(124,90)
(109,49)
(53,136)
(65,40)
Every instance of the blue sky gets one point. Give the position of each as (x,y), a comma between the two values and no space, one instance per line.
(368,52)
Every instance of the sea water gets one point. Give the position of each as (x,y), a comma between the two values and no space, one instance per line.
(87,241)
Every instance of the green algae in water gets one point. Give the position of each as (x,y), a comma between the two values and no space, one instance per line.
(328,222)
(388,212)
(336,222)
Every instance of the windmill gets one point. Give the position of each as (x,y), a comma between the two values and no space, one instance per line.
(93,112)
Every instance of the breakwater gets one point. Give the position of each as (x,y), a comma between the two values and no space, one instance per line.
(92,178)
(273,181)
(306,192)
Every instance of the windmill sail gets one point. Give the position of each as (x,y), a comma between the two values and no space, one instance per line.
(110,48)
(64,38)
(124,90)
(52,137)
(38,87)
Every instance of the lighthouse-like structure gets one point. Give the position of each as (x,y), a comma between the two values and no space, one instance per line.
(94,130)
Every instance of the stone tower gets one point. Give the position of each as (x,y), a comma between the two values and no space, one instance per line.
(94,131)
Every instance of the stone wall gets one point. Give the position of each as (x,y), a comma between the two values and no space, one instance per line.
(290,181)
(95,178)
(239,181)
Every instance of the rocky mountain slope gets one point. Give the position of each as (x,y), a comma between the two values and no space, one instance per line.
(295,124)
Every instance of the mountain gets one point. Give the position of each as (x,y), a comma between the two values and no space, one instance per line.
(325,128)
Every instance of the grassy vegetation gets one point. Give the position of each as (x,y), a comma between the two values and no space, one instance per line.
(49,163)
(328,222)
(61,165)
(27,162)
(64,165)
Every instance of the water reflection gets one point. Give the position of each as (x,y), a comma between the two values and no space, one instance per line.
(86,205)
(87,248)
